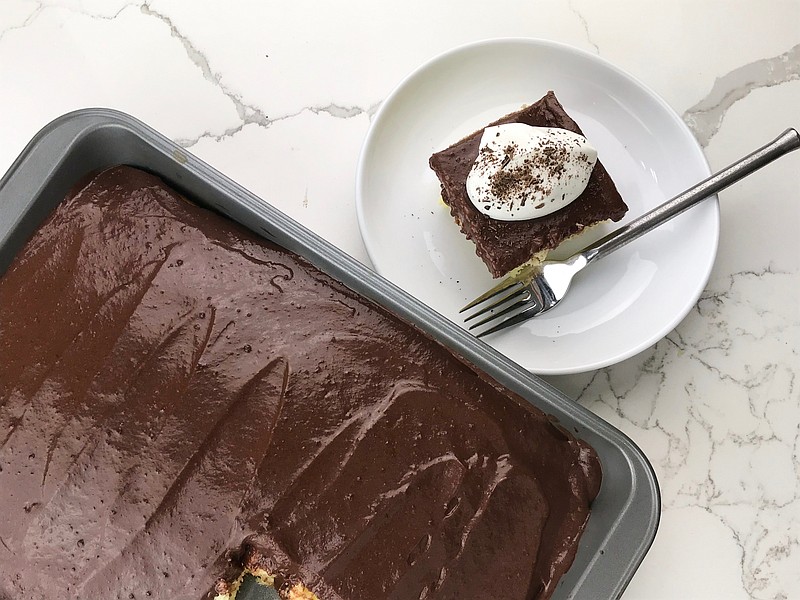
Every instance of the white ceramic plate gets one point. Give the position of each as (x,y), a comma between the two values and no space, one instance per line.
(620,305)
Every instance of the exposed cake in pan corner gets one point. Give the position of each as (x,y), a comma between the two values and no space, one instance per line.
(181,401)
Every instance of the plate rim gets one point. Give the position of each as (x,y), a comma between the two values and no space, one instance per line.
(668,111)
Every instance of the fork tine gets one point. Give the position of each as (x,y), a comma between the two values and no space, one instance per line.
(524,315)
(529,302)
(504,285)
(521,291)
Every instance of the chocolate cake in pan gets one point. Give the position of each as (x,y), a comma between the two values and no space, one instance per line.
(182,402)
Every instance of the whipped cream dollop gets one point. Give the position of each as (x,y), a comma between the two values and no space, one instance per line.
(524,172)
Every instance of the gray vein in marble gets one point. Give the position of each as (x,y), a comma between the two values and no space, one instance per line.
(620,402)
(248,113)
(705,117)
(748,384)
(42,6)
(340,112)
(585,24)
(334,110)
(737,539)
(28,20)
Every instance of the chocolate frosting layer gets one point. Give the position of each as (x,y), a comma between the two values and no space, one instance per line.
(505,245)
(179,397)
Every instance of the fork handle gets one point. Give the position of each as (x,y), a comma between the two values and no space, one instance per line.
(786,142)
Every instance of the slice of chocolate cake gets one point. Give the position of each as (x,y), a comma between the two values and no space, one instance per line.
(507,244)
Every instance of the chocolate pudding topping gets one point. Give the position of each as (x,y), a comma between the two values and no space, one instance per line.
(179,398)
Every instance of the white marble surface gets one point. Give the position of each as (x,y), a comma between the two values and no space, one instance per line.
(279,96)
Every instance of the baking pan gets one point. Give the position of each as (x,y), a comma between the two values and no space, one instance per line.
(625,514)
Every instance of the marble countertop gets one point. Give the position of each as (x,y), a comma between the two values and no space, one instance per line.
(279,96)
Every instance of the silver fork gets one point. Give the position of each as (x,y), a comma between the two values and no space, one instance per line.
(536,290)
